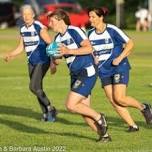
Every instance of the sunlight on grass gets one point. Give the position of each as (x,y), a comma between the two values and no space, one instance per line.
(20,114)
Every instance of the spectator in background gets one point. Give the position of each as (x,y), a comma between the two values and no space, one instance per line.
(149,20)
(144,19)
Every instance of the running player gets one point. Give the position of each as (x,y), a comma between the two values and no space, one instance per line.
(76,49)
(111,48)
(34,39)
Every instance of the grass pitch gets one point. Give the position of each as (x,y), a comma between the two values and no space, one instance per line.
(20,125)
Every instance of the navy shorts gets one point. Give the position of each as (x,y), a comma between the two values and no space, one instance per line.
(82,84)
(118,78)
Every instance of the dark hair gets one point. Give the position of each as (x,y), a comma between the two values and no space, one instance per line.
(60,15)
(100,11)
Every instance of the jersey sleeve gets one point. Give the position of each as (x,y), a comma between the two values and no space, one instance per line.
(78,35)
(119,35)
(39,26)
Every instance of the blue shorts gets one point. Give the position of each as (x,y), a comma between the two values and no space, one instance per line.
(118,78)
(82,84)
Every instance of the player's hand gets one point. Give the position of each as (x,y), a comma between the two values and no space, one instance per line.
(63,49)
(53,68)
(96,60)
(56,61)
(7,57)
(116,61)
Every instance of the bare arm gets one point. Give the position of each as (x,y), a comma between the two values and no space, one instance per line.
(15,52)
(85,48)
(45,36)
(127,50)
(96,61)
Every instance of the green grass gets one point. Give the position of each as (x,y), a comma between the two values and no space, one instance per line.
(19,112)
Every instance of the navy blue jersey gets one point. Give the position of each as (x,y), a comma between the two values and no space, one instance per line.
(107,46)
(34,45)
(72,39)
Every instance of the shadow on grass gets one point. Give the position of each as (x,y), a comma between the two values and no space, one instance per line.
(72,122)
(119,123)
(116,122)
(70,134)
(21,127)
(27,129)
(144,125)
(64,111)
(19,111)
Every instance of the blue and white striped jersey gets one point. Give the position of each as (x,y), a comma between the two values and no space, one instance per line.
(72,39)
(34,45)
(107,46)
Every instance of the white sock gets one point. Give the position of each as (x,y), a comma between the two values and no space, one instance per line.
(135,126)
(105,135)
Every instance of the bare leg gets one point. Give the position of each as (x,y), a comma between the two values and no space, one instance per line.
(88,120)
(122,111)
(127,101)
(138,26)
(74,104)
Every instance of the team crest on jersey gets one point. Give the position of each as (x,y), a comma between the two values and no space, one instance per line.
(69,41)
(117,78)
(77,84)
(93,43)
(32,33)
(107,41)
